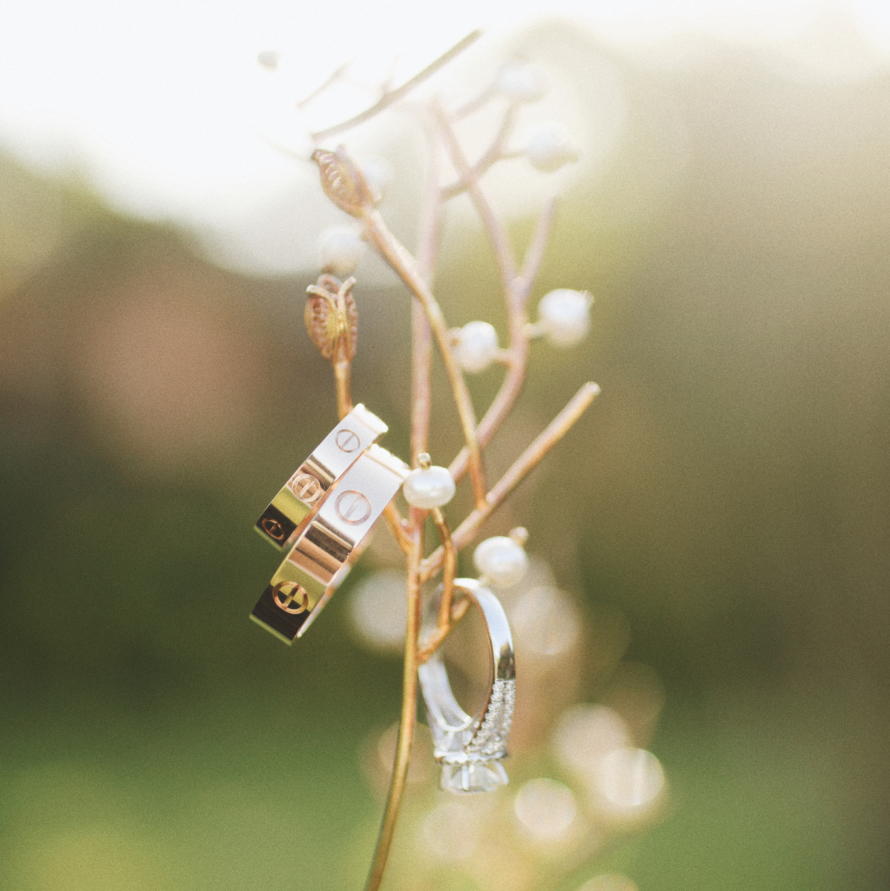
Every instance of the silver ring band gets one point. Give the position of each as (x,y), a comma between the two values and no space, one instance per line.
(470,749)
(329,544)
(288,512)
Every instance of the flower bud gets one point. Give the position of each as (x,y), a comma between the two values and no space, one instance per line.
(331,317)
(343,182)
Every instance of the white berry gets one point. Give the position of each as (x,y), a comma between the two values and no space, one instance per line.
(564,316)
(501,560)
(549,147)
(340,249)
(476,346)
(428,487)
(521,81)
(378,173)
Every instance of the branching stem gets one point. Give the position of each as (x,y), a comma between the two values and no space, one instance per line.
(516,473)
(391,96)
(405,266)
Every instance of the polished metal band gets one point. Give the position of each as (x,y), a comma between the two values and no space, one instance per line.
(470,749)
(288,512)
(329,543)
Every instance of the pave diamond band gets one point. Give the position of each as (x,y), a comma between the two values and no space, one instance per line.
(470,749)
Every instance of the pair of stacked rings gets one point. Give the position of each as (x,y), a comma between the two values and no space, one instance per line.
(322,516)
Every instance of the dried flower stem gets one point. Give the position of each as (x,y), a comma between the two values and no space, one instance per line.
(408,718)
(348,189)
(435,640)
(393,95)
(404,265)
(421,367)
(516,473)
(518,349)
(490,156)
(496,232)
(449,567)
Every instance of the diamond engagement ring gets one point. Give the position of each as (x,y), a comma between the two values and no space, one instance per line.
(471,749)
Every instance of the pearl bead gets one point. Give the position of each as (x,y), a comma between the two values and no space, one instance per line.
(549,147)
(476,346)
(428,487)
(521,81)
(378,173)
(564,315)
(501,560)
(340,249)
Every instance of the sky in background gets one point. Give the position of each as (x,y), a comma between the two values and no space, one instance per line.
(163,107)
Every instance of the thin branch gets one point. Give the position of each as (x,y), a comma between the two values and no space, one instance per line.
(421,342)
(324,86)
(449,565)
(521,467)
(534,255)
(405,266)
(495,230)
(392,96)
(517,352)
(474,104)
(494,153)
(408,720)
(439,636)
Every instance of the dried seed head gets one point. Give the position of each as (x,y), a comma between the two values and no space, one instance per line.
(331,317)
(343,182)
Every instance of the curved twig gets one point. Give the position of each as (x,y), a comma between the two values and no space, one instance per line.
(391,96)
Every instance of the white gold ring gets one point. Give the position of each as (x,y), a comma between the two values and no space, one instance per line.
(471,749)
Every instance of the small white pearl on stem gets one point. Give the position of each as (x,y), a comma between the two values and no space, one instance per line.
(340,249)
(549,147)
(501,560)
(564,316)
(428,487)
(521,81)
(476,346)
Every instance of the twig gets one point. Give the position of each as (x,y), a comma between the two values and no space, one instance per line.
(517,352)
(404,265)
(495,230)
(490,156)
(408,719)
(515,474)
(325,85)
(391,96)
(438,637)
(449,565)
(421,365)
(474,104)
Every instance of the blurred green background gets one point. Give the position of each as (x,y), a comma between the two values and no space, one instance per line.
(727,495)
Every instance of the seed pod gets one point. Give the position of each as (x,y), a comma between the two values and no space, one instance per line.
(343,182)
(331,317)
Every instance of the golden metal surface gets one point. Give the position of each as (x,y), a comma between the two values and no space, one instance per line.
(329,544)
(287,514)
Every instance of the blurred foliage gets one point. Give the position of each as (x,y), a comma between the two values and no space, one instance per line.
(729,494)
